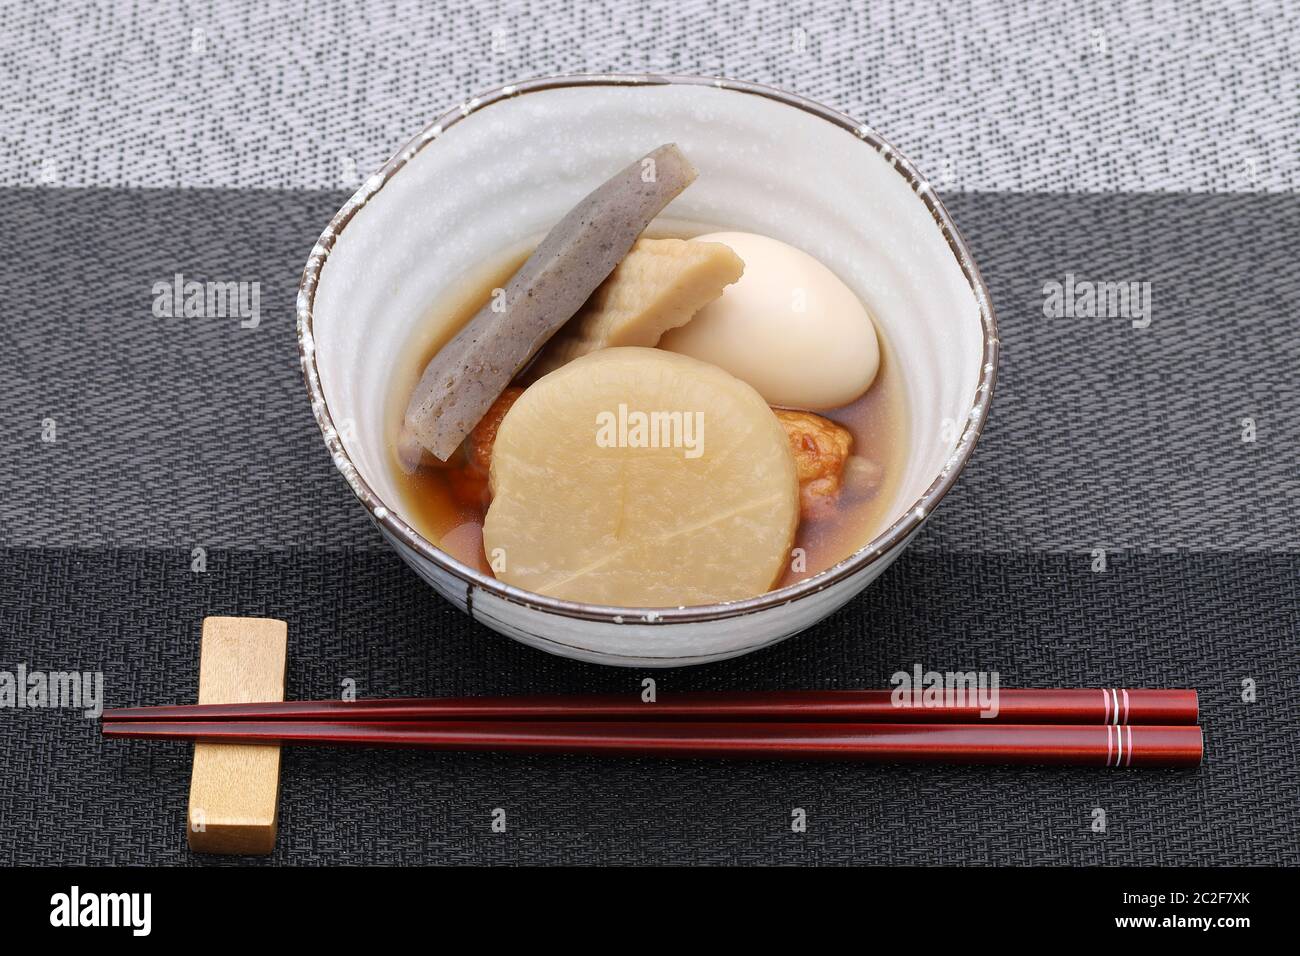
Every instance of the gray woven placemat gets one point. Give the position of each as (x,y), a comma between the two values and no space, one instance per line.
(182,434)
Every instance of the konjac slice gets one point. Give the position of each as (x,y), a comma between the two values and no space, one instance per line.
(597,498)
(658,286)
(467,374)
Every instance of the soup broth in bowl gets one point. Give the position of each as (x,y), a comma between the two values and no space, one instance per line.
(447,505)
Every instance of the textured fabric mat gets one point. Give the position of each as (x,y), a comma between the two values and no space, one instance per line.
(1120,142)
(1204,621)
(175,434)
(196,432)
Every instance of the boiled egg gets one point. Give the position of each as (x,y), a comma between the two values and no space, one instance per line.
(789,327)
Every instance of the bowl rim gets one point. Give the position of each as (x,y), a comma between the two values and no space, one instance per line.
(877,548)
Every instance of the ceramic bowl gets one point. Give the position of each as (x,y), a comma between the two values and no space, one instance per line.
(508,165)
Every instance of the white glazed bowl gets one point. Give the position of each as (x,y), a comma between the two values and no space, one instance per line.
(505,167)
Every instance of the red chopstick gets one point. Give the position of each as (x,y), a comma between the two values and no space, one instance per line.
(1089,746)
(1115,706)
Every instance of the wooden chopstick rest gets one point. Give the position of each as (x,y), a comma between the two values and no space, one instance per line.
(234,788)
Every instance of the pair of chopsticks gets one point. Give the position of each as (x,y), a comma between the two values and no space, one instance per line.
(1111,727)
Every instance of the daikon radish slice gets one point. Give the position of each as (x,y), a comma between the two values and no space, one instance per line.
(641,478)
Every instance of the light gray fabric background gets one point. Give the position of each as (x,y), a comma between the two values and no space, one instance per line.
(1098,96)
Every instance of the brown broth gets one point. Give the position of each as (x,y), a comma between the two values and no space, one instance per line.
(447,506)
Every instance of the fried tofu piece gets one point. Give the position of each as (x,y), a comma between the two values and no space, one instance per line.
(481,439)
(820,449)
(466,472)
(658,286)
